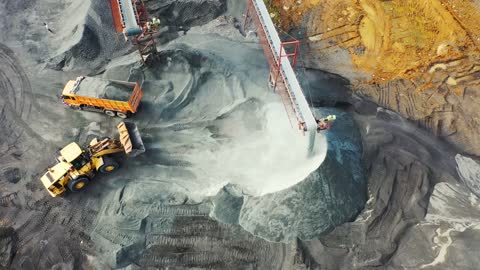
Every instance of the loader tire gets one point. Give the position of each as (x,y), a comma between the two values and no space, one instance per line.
(78,183)
(109,165)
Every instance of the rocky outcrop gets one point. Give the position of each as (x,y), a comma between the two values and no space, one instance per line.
(448,237)
(469,171)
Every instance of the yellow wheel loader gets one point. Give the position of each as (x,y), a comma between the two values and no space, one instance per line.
(77,166)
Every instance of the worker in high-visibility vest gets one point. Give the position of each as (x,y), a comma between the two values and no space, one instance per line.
(155,23)
(325,123)
(149,26)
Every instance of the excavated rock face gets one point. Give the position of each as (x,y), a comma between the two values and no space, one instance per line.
(418,58)
(469,171)
(451,230)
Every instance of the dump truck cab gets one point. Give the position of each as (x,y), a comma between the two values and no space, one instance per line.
(77,158)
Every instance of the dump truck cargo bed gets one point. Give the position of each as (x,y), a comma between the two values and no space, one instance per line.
(97,94)
(105,89)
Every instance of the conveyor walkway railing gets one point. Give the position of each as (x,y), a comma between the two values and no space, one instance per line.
(282,76)
(130,17)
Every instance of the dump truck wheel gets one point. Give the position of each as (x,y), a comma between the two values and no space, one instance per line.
(122,115)
(109,165)
(78,183)
(110,113)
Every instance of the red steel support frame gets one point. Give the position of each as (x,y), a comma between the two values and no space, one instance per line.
(274,62)
(282,49)
(145,42)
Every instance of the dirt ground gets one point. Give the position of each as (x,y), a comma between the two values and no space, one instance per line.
(418,58)
(215,137)
(396,39)
(215,188)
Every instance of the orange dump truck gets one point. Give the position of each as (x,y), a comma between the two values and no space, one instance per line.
(112,97)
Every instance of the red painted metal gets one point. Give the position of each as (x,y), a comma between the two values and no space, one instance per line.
(276,78)
(141,12)
(246,20)
(146,45)
(117,16)
(279,59)
(144,42)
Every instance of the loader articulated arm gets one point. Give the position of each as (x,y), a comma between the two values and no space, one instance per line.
(105,147)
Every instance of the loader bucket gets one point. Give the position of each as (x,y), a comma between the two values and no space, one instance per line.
(130,139)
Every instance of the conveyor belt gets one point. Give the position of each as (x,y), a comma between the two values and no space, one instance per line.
(288,86)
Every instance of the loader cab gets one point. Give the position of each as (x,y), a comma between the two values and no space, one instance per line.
(79,162)
(71,153)
(75,156)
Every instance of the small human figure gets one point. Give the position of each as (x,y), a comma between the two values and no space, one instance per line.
(48,28)
(325,123)
(155,23)
(149,26)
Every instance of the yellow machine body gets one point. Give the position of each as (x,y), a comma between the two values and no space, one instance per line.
(75,162)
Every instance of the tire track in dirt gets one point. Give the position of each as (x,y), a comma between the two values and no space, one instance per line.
(185,235)
(14,83)
(195,241)
(45,214)
(16,104)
